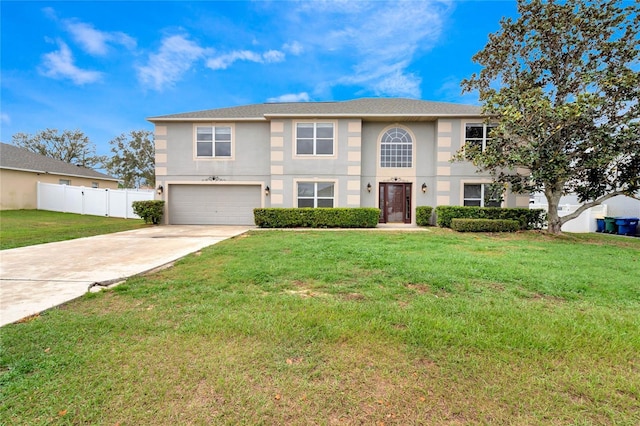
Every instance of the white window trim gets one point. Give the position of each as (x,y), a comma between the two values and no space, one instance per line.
(315,180)
(485,133)
(213,126)
(294,144)
(482,182)
(379,149)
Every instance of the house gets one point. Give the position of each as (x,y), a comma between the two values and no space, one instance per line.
(216,166)
(21,170)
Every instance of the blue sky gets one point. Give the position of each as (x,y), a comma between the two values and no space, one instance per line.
(105,66)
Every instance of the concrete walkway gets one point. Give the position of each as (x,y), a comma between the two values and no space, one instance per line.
(36,278)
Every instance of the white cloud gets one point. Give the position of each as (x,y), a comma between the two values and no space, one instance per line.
(91,40)
(225,61)
(97,42)
(4,118)
(291,97)
(175,57)
(381,38)
(295,48)
(451,91)
(60,65)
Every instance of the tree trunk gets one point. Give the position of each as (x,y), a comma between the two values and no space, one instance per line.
(554,221)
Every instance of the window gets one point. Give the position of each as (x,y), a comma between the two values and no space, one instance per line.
(476,136)
(315,194)
(64,182)
(314,139)
(396,148)
(483,195)
(213,141)
(95,185)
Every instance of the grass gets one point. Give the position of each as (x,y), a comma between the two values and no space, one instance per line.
(19,228)
(349,328)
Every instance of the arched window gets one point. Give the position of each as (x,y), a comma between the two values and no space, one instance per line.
(396,148)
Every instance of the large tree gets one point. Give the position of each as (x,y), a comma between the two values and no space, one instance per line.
(71,146)
(562,82)
(133,159)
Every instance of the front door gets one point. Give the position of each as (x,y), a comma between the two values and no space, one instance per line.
(395,203)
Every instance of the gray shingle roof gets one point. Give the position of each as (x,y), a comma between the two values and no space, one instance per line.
(365,107)
(13,157)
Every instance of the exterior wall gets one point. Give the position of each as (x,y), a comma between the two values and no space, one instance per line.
(18,189)
(263,153)
(422,171)
(451,177)
(343,168)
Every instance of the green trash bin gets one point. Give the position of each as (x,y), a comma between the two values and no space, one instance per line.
(610,226)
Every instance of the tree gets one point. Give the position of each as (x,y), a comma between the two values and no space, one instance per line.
(563,83)
(134,159)
(72,146)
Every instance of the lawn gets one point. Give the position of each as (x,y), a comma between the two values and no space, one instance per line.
(19,228)
(345,328)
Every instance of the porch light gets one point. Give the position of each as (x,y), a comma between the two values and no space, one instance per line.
(424,187)
(160,189)
(267,190)
(369,187)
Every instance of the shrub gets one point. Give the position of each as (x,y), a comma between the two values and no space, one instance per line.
(423,215)
(484,225)
(527,218)
(360,217)
(149,210)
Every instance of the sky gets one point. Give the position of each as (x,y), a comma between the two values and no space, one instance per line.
(104,67)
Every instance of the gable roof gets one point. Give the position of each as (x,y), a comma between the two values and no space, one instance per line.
(365,108)
(15,158)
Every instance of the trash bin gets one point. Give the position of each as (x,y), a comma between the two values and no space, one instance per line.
(627,225)
(599,224)
(610,225)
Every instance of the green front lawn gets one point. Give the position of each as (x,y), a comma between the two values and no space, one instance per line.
(346,327)
(19,228)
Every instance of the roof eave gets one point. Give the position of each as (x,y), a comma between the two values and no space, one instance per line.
(202,119)
(44,172)
(268,116)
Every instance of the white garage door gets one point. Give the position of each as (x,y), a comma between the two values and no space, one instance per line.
(213,204)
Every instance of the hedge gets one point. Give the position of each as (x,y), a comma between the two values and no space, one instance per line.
(423,215)
(484,225)
(359,217)
(527,218)
(149,210)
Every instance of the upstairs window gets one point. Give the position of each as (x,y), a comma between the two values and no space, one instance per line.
(314,139)
(482,195)
(476,137)
(315,194)
(396,148)
(213,141)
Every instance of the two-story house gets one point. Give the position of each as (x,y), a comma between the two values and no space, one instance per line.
(216,166)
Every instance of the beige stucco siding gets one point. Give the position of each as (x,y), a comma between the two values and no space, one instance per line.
(18,189)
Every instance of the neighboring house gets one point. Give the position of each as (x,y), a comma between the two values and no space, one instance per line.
(216,166)
(21,170)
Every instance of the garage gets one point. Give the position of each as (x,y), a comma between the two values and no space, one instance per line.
(213,204)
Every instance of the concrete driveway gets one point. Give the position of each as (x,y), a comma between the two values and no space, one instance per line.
(36,278)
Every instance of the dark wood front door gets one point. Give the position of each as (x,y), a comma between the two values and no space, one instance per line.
(395,203)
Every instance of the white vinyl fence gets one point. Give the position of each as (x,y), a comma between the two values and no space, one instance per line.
(91,201)
(586,222)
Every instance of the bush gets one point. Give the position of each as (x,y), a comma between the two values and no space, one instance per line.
(150,210)
(423,215)
(527,218)
(360,217)
(485,225)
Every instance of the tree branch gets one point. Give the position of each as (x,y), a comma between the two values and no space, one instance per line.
(593,203)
